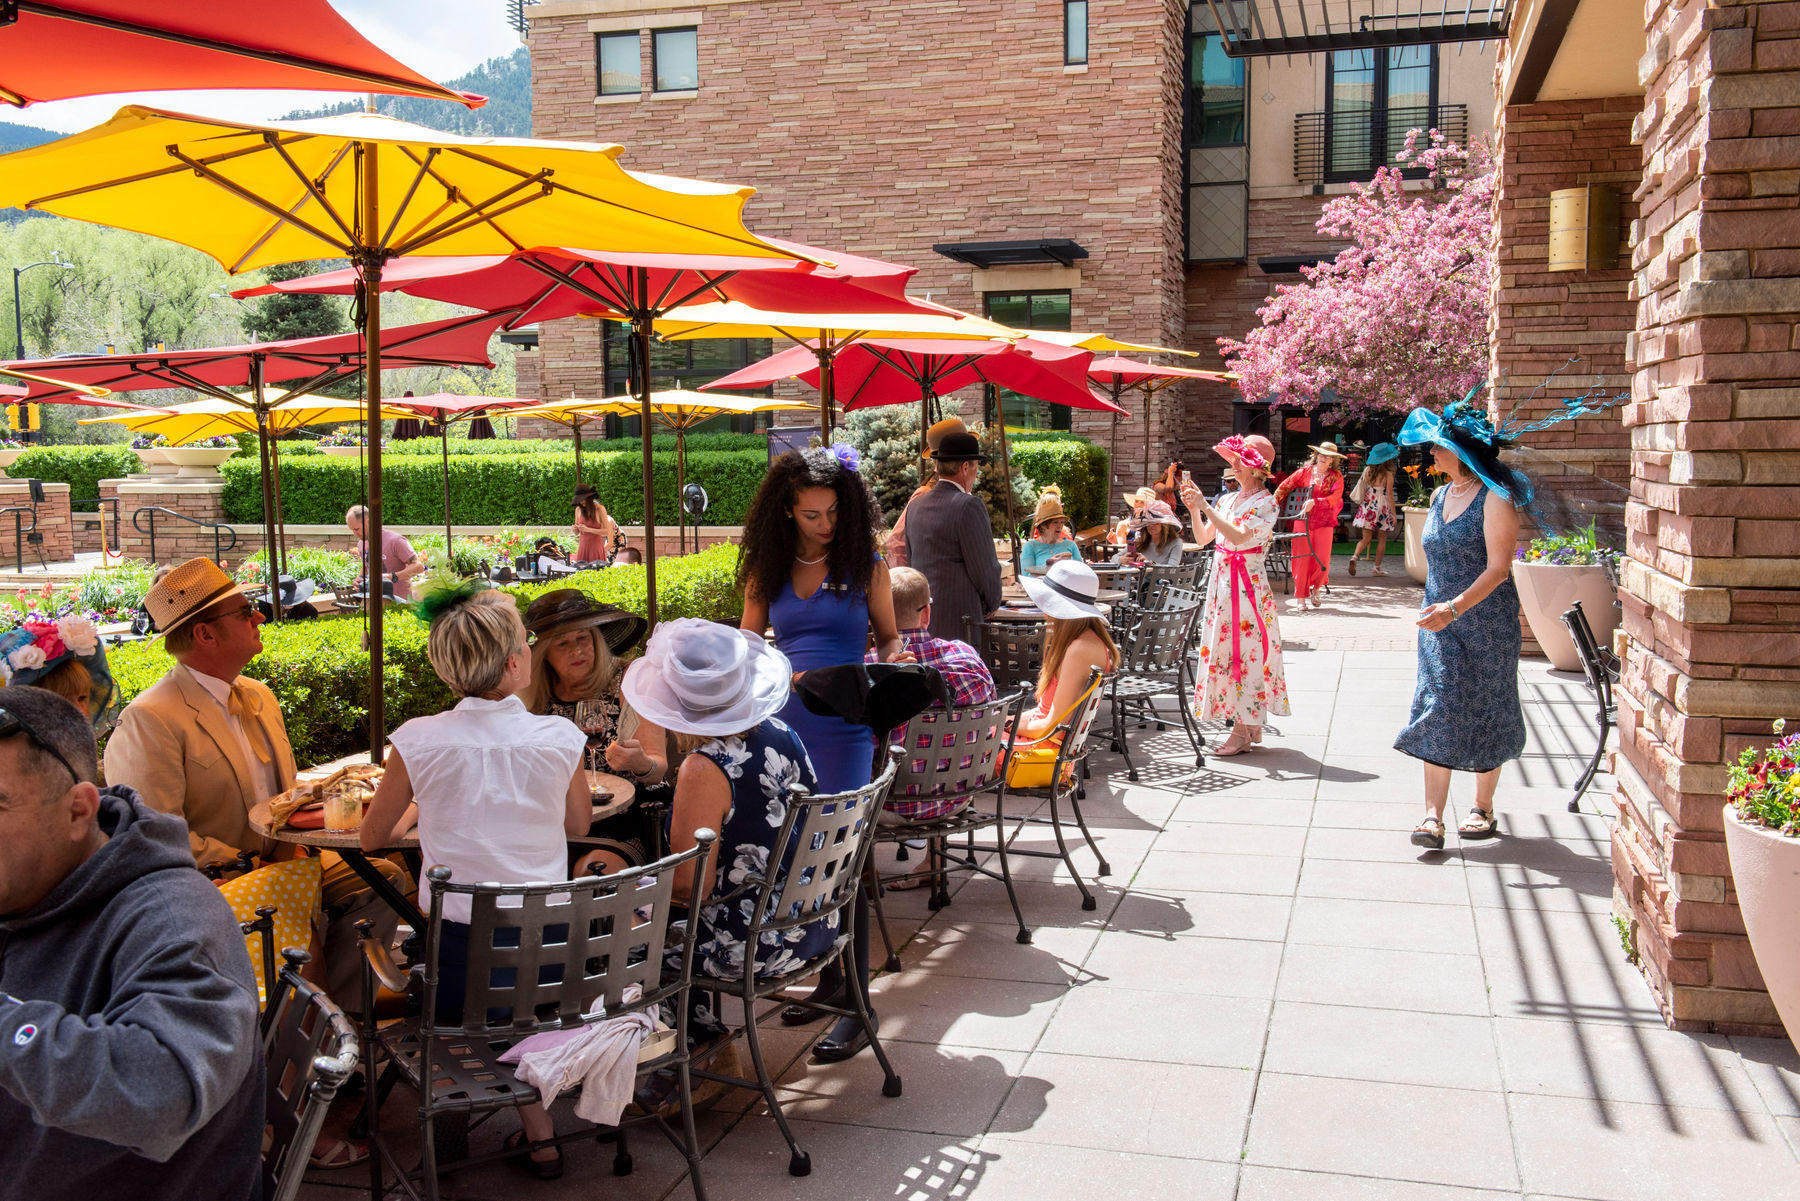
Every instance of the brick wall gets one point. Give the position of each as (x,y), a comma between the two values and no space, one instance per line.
(1712,592)
(176,540)
(52,521)
(882,127)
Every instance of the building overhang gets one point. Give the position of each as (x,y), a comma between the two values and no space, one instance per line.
(525,337)
(1574,50)
(1290,264)
(1061,251)
(1259,28)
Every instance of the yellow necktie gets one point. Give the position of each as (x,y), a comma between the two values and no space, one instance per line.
(239,708)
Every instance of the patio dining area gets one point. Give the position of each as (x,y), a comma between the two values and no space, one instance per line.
(1276,995)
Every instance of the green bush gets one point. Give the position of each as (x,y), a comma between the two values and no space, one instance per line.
(1079,467)
(112,589)
(320,673)
(331,570)
(80,467)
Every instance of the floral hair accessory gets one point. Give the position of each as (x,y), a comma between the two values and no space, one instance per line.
(847,455)
(40,645)
(1235,447)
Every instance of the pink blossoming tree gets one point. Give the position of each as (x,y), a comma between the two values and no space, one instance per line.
(1400,317)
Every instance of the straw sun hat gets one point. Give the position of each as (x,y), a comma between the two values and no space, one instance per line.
(185,592)
(1049,507)
(700,677)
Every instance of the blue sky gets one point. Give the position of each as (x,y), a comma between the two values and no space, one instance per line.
(438,38)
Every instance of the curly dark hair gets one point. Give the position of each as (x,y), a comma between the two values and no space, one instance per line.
(766,559)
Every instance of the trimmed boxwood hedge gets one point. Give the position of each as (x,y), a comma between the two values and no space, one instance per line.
(1081,468)
(320,673)
(80,467)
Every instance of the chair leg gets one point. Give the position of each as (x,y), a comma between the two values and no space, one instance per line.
(799,1162)
(1593,767)
(1191,726)
(937,864)
(1062,846)
(428,1159)
(622,1161)
(1012,895)
(691,1137)
(1075,808)
(887,940)
(1122,744)
(890,1084)
(372,1097)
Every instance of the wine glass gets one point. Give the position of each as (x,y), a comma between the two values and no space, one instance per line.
(590,715)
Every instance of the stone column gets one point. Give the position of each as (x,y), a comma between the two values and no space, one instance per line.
(1712,590)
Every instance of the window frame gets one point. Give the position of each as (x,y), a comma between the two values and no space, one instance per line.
(656,36)
(1069,59)
(636,37)
(1191,116)
(1380,154)
(1061,417)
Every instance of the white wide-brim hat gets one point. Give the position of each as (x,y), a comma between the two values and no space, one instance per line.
(699,677)
(1069,591)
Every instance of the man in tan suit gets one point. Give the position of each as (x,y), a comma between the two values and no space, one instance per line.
(207,743)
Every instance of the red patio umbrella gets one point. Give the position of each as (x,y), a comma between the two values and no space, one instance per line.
(1119,373)
(56,49)
(305,364)
(445,408)
(880,371)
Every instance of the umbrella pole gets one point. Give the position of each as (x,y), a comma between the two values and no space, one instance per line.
(1112,465)
(681,496)
(1147,395)
(640,330)
(265,453)
(444,434)
(827,394)
(1012,517)
(370,266)
(575,428)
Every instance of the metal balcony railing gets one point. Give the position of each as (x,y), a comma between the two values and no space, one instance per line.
(1354,142)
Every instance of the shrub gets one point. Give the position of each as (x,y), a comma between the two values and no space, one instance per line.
(331,570)
(115,589)
(1079,467)
(80,467)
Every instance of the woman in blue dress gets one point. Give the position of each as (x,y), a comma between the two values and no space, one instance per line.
(809,569)
(1465,710)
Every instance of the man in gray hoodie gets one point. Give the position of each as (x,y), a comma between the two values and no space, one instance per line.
(129,1059)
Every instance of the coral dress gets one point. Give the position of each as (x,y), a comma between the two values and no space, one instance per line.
(1240,641)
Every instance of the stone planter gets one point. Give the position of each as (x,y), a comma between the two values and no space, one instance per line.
(343,452)
(1545,592)
(155,460)
(198,461)
(1765,868)
(8,458)
(1415,545)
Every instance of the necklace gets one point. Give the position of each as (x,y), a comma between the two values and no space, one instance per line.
(1464,488)
(811,562)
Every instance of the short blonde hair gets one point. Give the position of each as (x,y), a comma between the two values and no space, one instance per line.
(910,588)
(469,645)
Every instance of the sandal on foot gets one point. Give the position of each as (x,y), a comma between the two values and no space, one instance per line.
(330,1154)
(1255,735)
(1378,570)
(1480,824)
(1352,565)
(523,1148)
(1237,743)
(1429,834)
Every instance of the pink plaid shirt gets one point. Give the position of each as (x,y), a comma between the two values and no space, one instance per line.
(970,683)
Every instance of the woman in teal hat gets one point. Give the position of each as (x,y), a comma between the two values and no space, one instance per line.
(1374,497)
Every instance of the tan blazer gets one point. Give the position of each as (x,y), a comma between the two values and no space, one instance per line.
(172,745)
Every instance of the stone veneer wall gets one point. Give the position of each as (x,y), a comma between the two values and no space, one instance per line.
(1712,591)
(52,521)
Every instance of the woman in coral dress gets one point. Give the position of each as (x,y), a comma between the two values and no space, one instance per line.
(1241,677)
(1323,481)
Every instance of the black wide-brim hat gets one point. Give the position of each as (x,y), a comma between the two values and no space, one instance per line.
(566,609)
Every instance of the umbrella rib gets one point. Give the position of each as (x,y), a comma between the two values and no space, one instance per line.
(425,171)
(568,280)
(311,187)
(476,213)
(706,285)
(281,215)
(276,228)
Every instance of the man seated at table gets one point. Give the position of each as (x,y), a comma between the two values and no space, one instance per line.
(208,744)
(398,559)
(129,1059)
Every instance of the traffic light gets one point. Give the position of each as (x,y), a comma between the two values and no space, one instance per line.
(23,418)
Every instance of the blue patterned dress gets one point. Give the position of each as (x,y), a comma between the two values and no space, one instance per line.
(1465,710)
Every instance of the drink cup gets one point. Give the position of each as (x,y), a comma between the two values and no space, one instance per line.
(343,812)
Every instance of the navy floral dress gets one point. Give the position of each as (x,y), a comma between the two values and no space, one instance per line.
(1465,710)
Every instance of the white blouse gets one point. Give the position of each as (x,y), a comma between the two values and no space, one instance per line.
(491,780)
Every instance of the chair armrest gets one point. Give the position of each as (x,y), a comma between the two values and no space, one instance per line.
(387,972)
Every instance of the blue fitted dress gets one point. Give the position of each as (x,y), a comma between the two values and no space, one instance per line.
(827,629)
(1465,710)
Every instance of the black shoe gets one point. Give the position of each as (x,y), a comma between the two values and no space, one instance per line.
(522,1147)
(800,1015)
(849,1037)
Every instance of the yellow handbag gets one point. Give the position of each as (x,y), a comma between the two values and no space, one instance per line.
(1030,764)
(292,886)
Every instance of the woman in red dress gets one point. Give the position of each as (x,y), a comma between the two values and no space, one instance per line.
(594,527)
(1323,478)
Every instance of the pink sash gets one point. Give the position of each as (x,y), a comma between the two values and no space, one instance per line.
(1239,571)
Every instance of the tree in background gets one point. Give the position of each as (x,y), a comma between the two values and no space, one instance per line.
(1399,318)
(282,315)
(888,440)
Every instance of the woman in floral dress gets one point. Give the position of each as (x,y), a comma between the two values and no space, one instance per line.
(1241,677)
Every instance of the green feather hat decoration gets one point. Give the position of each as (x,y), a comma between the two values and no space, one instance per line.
(441,589)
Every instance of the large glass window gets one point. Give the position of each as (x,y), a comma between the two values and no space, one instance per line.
(1028,310)
(620,71)
(1218,157)
(675,59)
(1215,94)
(1372,98)
(680,365)
(1075,31)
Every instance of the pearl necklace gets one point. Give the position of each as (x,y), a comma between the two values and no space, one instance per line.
(1457,490)
(812,562)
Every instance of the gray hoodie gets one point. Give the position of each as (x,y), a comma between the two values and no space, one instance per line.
(130,1063)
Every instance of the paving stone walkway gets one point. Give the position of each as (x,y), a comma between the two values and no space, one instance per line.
(1278,998)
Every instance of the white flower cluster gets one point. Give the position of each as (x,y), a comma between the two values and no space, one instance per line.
(27,658)
(78,634)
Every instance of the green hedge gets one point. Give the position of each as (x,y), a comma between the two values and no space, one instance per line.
(1079,467)
(460,445)
(500,489)
(80,467)
(320,674)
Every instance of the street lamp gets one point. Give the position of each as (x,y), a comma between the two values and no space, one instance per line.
(228,296)
(55,260)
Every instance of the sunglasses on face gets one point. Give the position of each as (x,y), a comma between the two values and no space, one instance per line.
(11,723)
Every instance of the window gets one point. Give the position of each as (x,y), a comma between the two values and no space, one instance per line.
(675,59)
(1218,156)
(1075,31)
(619,71)
(1372,98)
(1028,310)
(686,364)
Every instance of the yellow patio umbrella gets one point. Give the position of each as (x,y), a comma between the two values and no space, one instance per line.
(825,334)
(1102,344)
(367,188)
(675,409)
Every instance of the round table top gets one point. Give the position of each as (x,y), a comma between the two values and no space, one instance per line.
(612,795)
(1019,607)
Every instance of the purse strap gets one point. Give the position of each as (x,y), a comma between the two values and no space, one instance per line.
(1056,726)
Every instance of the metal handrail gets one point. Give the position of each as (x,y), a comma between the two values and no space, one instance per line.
(117,547)
(19,532)
(137,523)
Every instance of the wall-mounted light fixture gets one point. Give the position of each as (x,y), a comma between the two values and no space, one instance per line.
(1584,228)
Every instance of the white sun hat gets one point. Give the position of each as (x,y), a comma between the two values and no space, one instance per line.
(699,677)
(1069,591)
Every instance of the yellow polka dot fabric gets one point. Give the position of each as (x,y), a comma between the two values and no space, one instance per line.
(293,888)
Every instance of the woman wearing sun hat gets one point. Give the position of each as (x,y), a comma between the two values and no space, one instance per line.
(1465,710)
(1323,480)
(1374,497)
(1135,503)
(1050,538)
(1076,642)
(575,645)
(1159,540)
(1241,674)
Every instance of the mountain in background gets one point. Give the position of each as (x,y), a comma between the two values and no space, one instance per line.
(506,82)
(18,137)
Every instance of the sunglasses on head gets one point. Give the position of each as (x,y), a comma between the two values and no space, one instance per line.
(11,723)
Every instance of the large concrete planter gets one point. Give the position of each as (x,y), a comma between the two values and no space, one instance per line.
(155,460)
(1546,591)
(8,458)
(198,461)
(342,452)
(1415,541)
(1765,867)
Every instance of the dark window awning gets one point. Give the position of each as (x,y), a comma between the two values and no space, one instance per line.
(1014,254)
(525,336)
(1265,27)
(1290,264)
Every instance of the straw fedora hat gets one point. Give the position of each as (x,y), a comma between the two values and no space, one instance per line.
(1049,507)
(567,609)
(1328,448)
(1142,496)
(1069,591)
(934,437)
(185,592)
(700,677)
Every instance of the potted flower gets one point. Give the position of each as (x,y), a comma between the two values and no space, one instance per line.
(10,450)
(151,449)
(202,456)
(1762,839)
(1554,572)
(1420,480)
(344,443)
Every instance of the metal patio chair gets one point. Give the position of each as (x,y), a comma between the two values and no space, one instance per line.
(1013,651)
(1065,787)
(309,1051)
(1601,667)
(1152,656)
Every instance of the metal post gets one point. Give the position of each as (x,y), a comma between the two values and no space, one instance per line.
(369,264)
(1012,518)
(19,545)
(827,391)
(265,455)
(18,318)
(681,496)
(444,433)
(641,317)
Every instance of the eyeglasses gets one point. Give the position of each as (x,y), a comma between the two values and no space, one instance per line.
(244,611)
(11,723)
